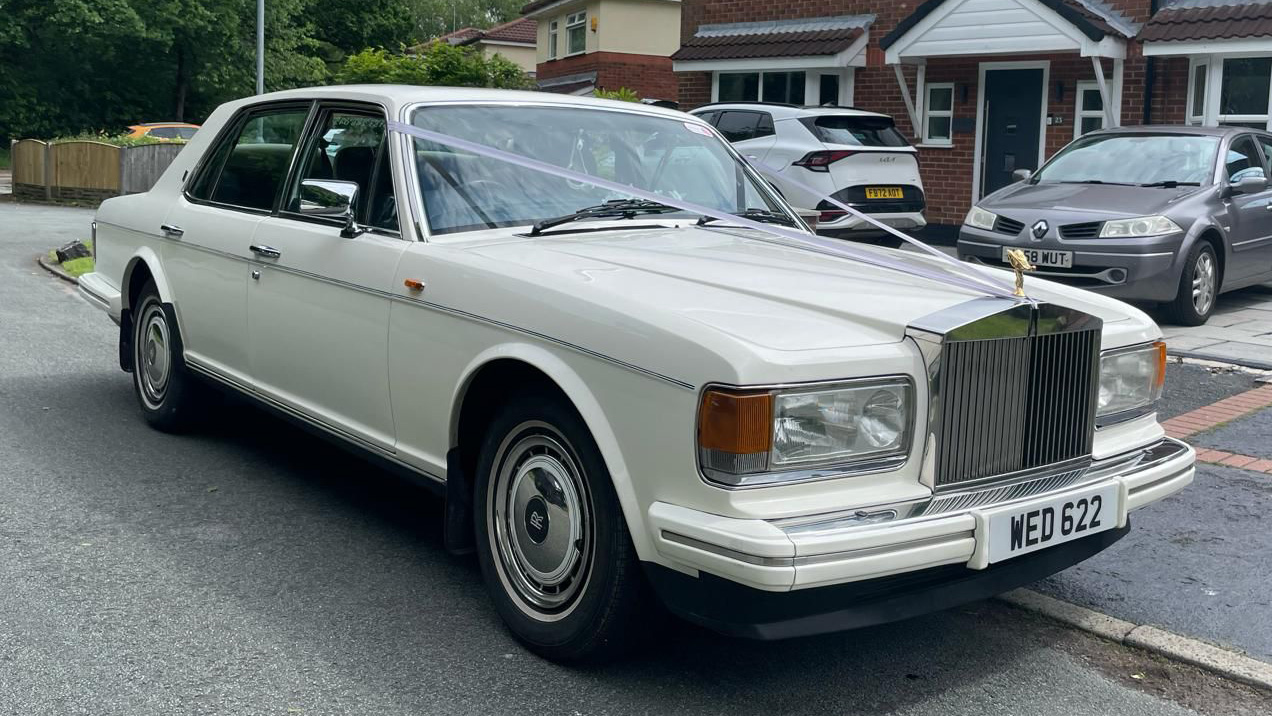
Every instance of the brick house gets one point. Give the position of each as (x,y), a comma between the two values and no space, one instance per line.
(585,45)
(984,87)
(514,40)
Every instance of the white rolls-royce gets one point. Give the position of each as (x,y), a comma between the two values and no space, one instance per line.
(625,402)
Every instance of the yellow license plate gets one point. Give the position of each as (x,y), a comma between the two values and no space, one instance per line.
(884,192)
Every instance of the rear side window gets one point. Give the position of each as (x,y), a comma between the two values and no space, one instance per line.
(1266,143)
(709,117)
(249,168)
(163,133)
(1243,159)
(739,126)
(855,131)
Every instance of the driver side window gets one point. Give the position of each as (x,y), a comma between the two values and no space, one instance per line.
(350,146)
(1243,160)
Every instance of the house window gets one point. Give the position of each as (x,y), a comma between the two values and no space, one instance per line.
(576,33)
(828,89)
(1089,114)
(1244,94)
(552,40)
(1197,94)
(938,114)
(760,86)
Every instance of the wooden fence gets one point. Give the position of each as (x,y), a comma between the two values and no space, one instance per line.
(86,170)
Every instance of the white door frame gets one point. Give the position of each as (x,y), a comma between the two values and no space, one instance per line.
(1045,66)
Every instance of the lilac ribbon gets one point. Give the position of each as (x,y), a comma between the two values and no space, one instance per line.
(967,278)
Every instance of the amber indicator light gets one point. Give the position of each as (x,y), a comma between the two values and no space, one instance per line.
(1161,363)
(414,284)
(739,423)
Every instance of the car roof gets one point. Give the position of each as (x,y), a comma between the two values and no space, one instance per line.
(395,97)
(784,111)
(166,124)
(1177,129)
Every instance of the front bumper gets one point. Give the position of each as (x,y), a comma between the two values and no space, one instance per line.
(852,224)
(878,547)
(101,293)
(1142,269)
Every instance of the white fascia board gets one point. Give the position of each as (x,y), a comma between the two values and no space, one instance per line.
(1206,47)
(852,56)
(1067,37)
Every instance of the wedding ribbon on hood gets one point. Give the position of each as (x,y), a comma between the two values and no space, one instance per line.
(966,277)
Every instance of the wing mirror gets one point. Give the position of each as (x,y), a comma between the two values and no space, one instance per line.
(1248,185)
(1022,174)
(331,199)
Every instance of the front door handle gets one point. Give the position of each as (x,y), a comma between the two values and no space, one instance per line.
(172,232)
(268,252)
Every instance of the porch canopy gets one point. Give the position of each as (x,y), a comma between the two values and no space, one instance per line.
(826,42)
(960,28)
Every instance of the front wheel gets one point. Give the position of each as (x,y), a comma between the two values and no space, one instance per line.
(1198,287)
(554,549)
(167,394)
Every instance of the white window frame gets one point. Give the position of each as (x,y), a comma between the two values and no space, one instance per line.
(552,40)
(1080,112)
(573,21)
(1214,91)
(812,80)
(929,113)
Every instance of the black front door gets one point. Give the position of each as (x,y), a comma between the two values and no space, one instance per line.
(1013,123)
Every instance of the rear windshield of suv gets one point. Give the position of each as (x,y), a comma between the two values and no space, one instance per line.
(855,130)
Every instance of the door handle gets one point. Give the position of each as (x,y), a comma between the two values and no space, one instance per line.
(268,252)
(172,232)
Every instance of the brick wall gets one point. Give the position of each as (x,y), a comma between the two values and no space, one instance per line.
(947,171)
(649,75)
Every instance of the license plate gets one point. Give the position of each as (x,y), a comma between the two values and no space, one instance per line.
(884,192)
(1021,529)
(1044,257)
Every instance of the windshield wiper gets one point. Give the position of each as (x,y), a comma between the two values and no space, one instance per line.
(1171,183)
(623,208)
(763,216)
(1097,181)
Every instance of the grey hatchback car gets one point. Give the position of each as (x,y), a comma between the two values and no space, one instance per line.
(1166,214)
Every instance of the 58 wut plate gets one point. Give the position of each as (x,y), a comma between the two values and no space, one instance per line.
(1023,528)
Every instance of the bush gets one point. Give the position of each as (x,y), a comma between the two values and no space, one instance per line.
(438,64)
(118,140)
(622,94)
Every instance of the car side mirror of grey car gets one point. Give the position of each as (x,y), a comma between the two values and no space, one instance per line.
(1022,174)
(331,199)
(1248,185)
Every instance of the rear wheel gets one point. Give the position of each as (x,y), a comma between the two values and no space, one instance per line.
(554,549)
(167,394)
(1198,287)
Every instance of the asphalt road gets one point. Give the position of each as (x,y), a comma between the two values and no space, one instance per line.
(251,569)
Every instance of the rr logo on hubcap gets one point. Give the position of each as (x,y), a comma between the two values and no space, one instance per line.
(537,520)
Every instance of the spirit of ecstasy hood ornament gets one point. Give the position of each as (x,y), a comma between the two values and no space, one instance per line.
(1020,263)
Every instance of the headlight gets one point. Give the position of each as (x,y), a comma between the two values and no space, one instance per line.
(1141,226)
(980,218)
(773,436)
(1131,379)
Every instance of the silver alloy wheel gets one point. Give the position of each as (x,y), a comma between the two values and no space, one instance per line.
(153,358)
(540,521)
(1203,284)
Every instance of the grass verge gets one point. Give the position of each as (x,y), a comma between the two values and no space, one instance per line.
(75,267)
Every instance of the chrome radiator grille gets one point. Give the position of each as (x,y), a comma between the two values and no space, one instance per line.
(1011,404)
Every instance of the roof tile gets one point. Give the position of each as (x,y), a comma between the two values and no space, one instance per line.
(1218,22)
(773,44)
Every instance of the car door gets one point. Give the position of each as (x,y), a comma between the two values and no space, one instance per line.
(318,302)
(751,132)
(209,228)
(1264,251)
(1249,226)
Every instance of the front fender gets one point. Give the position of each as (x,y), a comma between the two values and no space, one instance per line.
(1204,225)
(588,406)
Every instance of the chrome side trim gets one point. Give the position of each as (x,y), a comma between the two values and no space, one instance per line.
(334,431)
(408,300)
(680,539)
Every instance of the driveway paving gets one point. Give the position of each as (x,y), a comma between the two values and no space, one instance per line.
(1250,435)
(249,568)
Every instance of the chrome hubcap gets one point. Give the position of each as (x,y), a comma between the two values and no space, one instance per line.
(153,364)
(540,521)
(1203,284)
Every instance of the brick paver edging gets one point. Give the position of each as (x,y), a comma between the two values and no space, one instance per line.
(1228,409)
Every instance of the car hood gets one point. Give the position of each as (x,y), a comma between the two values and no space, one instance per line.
(732,282)
(1084,202)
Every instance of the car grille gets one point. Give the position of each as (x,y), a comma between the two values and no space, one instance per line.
(911,201)
(1011,227)
(1012,404)
(1089,230)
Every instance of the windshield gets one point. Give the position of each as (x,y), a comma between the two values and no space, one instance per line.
(676,159)
(1133,159)
(862,131)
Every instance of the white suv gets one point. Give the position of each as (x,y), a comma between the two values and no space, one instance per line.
(857,157)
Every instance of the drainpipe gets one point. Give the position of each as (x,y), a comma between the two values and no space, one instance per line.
(1150,72)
